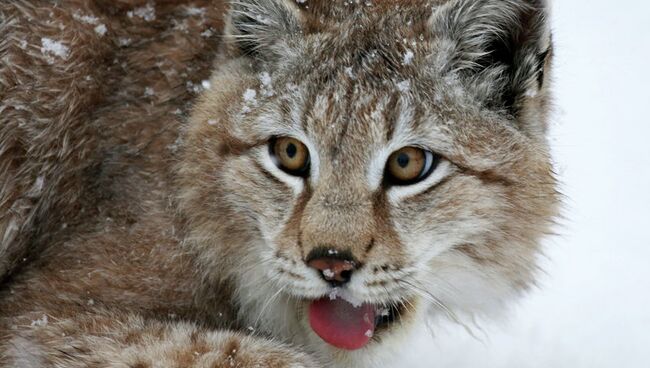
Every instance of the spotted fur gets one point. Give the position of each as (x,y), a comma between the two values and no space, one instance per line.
(169,243)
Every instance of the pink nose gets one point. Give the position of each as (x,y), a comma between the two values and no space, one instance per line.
(333,270)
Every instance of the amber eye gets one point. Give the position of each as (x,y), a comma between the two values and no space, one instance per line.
(290,155)
(410,165)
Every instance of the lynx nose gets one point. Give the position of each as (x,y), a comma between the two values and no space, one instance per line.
(334,268)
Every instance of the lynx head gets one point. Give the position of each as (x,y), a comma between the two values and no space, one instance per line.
(359,166)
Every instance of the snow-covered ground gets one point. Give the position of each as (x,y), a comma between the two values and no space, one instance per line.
(593,306)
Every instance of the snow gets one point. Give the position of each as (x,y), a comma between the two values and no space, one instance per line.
(204,85)
(194,11)
(212,122)
(55,48)
(591,309)
(250,100)
(328,273)
(267,86)
(124,41)
(88,19)
(249,95)
(40,322)
(349,73)
(147,12)
(101,29)
(408,57)
(404,86)
(265,78)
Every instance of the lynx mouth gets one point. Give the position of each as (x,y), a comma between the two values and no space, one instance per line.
(348,326)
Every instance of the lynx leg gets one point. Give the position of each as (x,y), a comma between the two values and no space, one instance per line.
(114,340)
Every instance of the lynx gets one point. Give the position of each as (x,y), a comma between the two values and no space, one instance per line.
(266,183)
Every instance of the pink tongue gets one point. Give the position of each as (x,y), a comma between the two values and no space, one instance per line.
(341,324)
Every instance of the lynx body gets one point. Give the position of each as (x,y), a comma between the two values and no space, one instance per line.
(150,219)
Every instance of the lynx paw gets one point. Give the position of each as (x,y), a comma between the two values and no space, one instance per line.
(220,349)
(249,352)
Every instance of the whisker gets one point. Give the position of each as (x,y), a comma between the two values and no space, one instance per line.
(266,305)
(454,318)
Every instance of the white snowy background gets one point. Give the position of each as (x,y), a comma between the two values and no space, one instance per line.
(593,306)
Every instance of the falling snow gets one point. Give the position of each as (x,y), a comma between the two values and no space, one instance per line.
(124,41)
(267,86)
(408,57)
(194,11)
(249,95)
(328,273)
(88,19)
(147,12)
(40,322)
(55,48)
(404,86)
(250,100)
(101,29)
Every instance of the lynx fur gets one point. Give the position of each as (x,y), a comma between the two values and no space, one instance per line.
(143,223)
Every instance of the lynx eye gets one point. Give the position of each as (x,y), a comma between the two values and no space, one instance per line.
(290,155)
(410,165)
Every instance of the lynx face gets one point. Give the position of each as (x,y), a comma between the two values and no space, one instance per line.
(357,168)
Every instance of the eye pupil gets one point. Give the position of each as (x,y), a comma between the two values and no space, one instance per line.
(291,150)
(290,155)
(403,160)
(410,165)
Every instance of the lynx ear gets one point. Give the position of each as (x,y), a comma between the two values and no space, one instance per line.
(501,47)
(258,28)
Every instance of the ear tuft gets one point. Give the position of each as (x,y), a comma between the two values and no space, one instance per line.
(500,46)
(256,26)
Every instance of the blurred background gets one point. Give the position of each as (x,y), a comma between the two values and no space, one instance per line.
(592,308)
